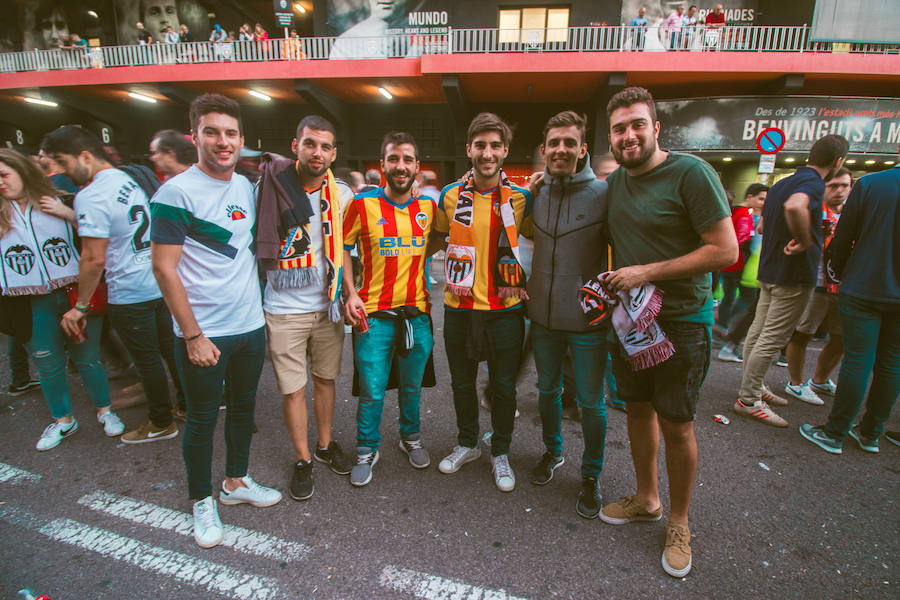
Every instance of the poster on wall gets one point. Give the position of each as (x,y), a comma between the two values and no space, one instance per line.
(157,16)
(387,28)
(689,35)
(871,125)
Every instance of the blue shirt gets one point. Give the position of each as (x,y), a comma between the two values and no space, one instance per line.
(775,266)
(639,22)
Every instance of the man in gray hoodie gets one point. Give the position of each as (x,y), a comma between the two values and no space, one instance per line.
(570,247)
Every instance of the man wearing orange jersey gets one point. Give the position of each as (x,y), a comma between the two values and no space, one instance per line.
(391,227)
(483,296)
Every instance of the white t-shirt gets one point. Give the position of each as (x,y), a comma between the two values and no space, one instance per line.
(311,298)
(114,207)
(213,220)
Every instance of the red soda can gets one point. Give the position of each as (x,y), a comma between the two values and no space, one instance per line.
(363,322)
(81,336)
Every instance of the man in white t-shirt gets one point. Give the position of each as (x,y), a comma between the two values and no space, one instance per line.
(202,247)
(114,224)
(299,248)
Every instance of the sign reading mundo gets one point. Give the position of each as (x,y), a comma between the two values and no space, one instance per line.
(872,125)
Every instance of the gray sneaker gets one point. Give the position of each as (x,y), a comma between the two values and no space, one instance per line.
(361,473)
(418,456)
(456,459)
(503,473)
(867,443)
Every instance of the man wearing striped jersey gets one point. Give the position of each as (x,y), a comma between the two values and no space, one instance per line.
(484,315)
(300,249)
(391,227)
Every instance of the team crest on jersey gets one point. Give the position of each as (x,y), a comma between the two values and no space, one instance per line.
(235,212)
(422,220)
(57,251)
(460,261)
(19,258)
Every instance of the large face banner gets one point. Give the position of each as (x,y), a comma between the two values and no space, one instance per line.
(157,15)
(361,27)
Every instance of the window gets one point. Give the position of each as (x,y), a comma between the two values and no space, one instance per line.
(533,25)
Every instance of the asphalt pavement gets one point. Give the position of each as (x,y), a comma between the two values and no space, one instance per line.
(772,515)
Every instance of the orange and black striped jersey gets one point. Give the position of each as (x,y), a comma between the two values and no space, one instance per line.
(487,224)
(392,247)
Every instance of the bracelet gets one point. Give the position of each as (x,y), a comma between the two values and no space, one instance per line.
(83,307)
(193,337)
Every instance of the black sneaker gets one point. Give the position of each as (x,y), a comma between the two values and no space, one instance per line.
(543,472)
(16,389)
(335,458)
(302,482)
(589,498)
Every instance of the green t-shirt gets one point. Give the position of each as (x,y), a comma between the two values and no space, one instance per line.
(660,215)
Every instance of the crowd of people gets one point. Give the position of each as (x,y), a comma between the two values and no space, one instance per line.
(681,29)
(206,274)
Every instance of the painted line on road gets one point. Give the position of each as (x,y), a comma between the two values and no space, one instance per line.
(239,538)
(432,587)
(194,571)
(15,476)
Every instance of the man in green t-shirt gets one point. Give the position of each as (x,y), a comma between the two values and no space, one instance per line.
(670,225)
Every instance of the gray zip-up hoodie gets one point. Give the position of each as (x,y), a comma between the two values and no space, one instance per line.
(569,247)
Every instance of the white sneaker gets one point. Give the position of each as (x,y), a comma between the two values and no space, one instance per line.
(253,494)
(503,473)
(54,433)
(112,424)
(460,456)
(208,530)
(729,355)
(803,392)
(823,388)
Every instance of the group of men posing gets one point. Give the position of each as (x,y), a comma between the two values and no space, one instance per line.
(214,238)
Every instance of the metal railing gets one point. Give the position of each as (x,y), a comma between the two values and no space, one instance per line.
(456,41)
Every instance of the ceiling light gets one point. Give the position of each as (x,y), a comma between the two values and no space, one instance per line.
(299,8)
(259,95)
(870,162)
(39,101)
(727,159)
(888,162)
(91,13)
(142,97)
(852,161)
(385,93)
(790,159)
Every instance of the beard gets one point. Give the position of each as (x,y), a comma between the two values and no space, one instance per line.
(310,172)
(396,187)
(647,150)
(80,176)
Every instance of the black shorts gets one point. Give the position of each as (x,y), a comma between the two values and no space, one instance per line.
(673,387)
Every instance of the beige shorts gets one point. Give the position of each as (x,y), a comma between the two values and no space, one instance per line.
(822,308)
(292,337)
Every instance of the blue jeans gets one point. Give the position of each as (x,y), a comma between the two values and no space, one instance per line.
(588,353)
(47,348)
(241,361)
(375,351)
(146,330)
(871,347)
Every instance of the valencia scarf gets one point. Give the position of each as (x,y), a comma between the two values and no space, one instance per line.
(633,317)
(38,253)
(461,256)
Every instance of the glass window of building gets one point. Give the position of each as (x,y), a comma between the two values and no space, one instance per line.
(533,25)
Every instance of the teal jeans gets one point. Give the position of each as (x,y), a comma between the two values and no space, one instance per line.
(588,353)
(375,351)
(871,349)
(47,348)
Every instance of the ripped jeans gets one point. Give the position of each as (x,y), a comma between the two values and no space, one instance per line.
(47,348)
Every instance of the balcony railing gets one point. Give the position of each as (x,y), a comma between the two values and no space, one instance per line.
(455,41)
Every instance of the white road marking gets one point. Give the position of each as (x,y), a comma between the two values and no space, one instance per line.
(432,587)
(239,538)
(15,476)
(194,571)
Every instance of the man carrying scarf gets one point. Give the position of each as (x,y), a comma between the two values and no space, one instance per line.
(483,297)
(300,252)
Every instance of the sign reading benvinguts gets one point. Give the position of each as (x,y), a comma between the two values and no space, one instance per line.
(870,124)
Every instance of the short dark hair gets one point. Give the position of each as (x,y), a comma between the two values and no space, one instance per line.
(843,171)
(315,122)
(828,149)
(169,140)
(630,96)
(214,103)
(489,122)
(74,139)
(566,118)
(754,189)
(395,138)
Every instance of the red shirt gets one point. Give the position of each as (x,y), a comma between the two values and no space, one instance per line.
(714,19)
(742,220)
